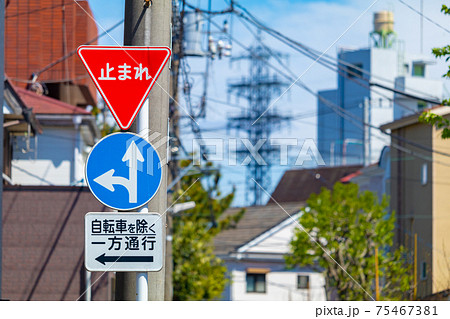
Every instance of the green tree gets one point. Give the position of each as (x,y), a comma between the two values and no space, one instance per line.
(348,225)
(198,274)
(428,116)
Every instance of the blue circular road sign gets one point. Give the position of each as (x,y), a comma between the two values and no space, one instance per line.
(123,171)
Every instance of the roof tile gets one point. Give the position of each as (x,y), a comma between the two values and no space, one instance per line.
(256,221)
(298,185)
(42,104)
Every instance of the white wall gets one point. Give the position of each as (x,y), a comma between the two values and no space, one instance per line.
(281,284)
(50,158)
(433,88)
(267,251)
(277,243)
(385,65)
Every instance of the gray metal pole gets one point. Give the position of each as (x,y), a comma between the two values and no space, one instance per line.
(160,35)
(136,33)
(2,79)
(145,26)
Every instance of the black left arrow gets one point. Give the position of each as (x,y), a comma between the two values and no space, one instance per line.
(124,259)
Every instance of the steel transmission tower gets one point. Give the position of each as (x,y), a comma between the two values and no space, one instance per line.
(258,88)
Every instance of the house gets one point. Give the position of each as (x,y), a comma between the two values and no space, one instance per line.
(419,189)
(57,156)
(375,177)
(43,245)
(19,121)
(45,141)
(40,54)
(254,256)
(297,185)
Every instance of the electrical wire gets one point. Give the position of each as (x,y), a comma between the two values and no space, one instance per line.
(352,70)
(38,10)
(339,110)
(52,64)
(308,51)
(424,16)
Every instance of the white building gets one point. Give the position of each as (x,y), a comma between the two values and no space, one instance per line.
(254,255)
(19,120)
(376,86)
(57,156)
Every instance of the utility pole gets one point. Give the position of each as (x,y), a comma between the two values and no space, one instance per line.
(160,35)
(415,268)
(377,277)
(174,132)
(2,79)
(147,23)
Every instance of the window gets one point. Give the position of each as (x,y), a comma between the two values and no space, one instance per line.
(423,271)
(421,105)
(424,174)
(406,68)
(302,282)
(256,283)
(418,69)
(355,70)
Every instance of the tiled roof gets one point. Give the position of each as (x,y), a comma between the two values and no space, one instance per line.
(298,185)
(43,243)
(349,177)
(256,221)
(42,104)
(35,40)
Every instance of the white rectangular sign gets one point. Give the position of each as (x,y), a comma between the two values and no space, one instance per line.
(123,242)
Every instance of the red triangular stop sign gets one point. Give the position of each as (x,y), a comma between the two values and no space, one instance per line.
(124,76)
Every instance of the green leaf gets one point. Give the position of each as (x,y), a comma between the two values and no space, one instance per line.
(198,274)
(346,226)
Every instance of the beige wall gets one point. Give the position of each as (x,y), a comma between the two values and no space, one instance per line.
(441,213)
(423,209)
(412,201)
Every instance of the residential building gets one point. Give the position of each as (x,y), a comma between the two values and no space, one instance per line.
(57,156)
(19,121)
(43,248)
(42,38)
(419,188)
(43,245)
(298,184)
(254,255)
(375,177)
(375,85)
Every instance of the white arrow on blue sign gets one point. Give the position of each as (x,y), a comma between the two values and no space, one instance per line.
(123,171)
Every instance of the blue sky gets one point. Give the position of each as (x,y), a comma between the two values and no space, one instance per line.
(315,23)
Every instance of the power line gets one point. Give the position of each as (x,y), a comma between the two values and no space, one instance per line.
(209,12)
(81,77)
(357,121)
(424,16)
(308,51)
(350,69)
(335,67)
(327,102)
(38,10)
(48,66)
(342,112)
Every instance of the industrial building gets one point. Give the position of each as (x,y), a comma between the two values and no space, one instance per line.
(375,85)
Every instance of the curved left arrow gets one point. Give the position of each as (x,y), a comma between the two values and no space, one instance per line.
(108,180)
